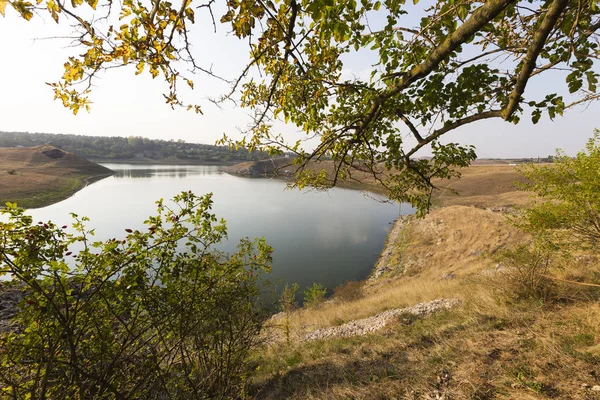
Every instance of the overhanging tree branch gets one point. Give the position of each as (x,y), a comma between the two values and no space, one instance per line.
(453,125)
(481,17)
(528,64)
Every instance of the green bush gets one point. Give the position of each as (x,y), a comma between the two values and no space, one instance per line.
(525,273)
(569,215)
(156,315)
(314,295)
(288,304)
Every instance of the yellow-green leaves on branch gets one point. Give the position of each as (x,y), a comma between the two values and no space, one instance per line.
(462,62)
(568,214)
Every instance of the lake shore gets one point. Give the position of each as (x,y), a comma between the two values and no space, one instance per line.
(482,184)
(380,338)
(163,161)
(38,176)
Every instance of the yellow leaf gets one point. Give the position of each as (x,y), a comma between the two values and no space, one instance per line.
(26,14)
(139,68)
(3,4)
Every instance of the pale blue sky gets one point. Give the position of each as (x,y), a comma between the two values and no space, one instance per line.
(125,104)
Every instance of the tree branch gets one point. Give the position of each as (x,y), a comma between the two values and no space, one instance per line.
(411,126)
(539,39)
(482,16)
(460,122)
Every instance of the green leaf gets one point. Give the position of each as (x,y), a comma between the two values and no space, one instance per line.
(592,79)
(462,11)
(535,116)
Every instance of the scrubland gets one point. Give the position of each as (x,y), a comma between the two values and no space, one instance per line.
(500,342)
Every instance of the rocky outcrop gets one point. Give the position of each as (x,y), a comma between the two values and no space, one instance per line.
(364,326)
(384,263)
(54,153)
(10,297)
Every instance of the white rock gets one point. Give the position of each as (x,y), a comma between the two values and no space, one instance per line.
(363,326)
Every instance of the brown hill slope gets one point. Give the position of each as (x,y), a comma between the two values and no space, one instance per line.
(493,345)
(42,175)
(274,166)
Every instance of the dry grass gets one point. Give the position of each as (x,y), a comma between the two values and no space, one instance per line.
(483,186)
(31,178)
(447,241)
(489,348)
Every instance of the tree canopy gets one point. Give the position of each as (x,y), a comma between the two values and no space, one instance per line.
(569,215)
(464,61)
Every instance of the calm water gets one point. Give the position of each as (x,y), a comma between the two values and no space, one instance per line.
(326,237)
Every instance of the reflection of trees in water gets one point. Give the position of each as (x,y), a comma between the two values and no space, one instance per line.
(134,173)
(163,173)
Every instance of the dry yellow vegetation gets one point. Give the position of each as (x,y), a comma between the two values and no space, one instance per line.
(42,175)
(483,185)
(491,347)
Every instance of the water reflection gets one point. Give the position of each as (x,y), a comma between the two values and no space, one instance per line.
(320,237)
(162,172)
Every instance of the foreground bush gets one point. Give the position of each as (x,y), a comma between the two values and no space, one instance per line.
(525,273)
(314,295)
(568,217)
(157,315)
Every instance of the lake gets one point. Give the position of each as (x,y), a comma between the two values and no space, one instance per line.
(326,237)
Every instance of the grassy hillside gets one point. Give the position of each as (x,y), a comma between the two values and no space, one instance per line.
(483,185)
(492,346)
(42,175)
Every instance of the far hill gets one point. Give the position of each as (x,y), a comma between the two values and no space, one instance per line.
(270,167)
(486,183)
(133,149)
(42,175)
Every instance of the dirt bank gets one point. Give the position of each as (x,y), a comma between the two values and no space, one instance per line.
(38,176)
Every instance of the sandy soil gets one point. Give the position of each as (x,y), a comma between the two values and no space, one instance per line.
(41,175)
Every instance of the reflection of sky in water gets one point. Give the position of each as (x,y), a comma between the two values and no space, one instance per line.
(327,237)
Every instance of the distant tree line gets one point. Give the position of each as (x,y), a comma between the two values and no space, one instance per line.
(536,160)
(116,148)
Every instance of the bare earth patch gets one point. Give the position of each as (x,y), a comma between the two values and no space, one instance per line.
(41,175)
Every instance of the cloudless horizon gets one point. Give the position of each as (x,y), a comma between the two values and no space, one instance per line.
(129,105)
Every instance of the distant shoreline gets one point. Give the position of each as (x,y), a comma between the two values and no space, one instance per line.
(164,161)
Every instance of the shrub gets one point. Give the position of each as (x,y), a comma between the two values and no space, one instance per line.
(351,290)
(288,304)
(314,295)
(569,216)
(524,273)
(158,314)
